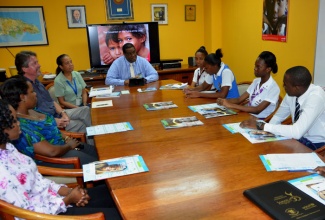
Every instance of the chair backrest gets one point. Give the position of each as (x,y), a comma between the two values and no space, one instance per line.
(50,88)
(268,118)
(9,212)
(243,86)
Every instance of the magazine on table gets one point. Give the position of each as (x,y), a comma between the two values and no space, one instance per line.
(111,95)
(149,89)
(174,86)
(313,185)
(159,105)
(169,123)
(100,91)
(114,167)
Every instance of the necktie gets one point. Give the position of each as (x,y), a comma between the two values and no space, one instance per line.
(297,111)
(132,70)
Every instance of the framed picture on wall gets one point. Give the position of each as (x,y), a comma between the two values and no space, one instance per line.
(190,12)
(159,13)
(22,26)
(119,10)
(76,16)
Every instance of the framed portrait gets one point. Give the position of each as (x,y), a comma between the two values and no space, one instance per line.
(22,26)
(190,12)
(119,9)
(159,13)
(76,16)
(275,20)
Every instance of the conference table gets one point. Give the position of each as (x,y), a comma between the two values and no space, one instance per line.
(197,172)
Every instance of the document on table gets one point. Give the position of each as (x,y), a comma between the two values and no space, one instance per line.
(234,127)
(101,104)
(109,128)
(291,162)
(100,91)
(114,167)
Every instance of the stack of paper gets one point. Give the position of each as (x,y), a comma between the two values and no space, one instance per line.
(291,162)
(108,128)
(100,91)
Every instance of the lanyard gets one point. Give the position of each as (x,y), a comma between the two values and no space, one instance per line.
(255,93)
(75,86)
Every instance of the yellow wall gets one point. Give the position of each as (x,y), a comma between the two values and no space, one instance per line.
(233,25)
(242,40)
(178,39)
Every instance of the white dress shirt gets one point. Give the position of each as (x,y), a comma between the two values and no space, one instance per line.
(311,123)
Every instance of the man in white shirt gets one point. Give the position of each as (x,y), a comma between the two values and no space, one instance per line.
(308,115)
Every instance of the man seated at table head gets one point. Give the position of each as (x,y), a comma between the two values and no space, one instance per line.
(305,102)
(130,65)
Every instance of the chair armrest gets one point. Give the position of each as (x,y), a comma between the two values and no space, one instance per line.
(52,171)
(7,211)
(321,151)
(77,135)
(69,160)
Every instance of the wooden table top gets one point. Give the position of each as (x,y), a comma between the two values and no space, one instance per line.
(194,172)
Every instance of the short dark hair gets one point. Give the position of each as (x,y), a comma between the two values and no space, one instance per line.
(6,121)
(12,88)
(270,60)
(22,60)
(299,76)
(214,58)
(127,46)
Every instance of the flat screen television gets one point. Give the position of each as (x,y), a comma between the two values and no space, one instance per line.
(105,42)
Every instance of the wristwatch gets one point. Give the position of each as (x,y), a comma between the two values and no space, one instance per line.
(260,125)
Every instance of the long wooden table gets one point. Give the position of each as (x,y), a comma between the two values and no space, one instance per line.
(195,172)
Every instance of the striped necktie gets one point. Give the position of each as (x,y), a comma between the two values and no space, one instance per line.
(132,70)
(297,111)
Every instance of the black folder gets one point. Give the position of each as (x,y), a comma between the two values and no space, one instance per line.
(282,201)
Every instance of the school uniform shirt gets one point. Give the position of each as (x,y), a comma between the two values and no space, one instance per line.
(269,92)
(119,71)
(70,90)
(203,77)
(225,77)
(23,186)
(311,123)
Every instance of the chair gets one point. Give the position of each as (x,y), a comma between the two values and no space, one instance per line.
(321,151)
(71,160)
(50,88)
(8,211)
(243,86)
(268,118)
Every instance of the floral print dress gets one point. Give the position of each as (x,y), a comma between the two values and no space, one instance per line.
(22,185)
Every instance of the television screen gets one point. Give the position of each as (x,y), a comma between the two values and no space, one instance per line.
(105,42)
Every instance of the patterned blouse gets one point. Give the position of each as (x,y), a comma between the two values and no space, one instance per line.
(22,185)
(34,131)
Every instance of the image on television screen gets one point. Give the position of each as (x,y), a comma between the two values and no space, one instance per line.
(106,41)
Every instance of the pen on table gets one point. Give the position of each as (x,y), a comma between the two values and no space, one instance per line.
(102,105)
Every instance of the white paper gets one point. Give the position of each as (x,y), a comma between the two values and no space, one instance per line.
(101,104)
(100,91)
(108,128)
